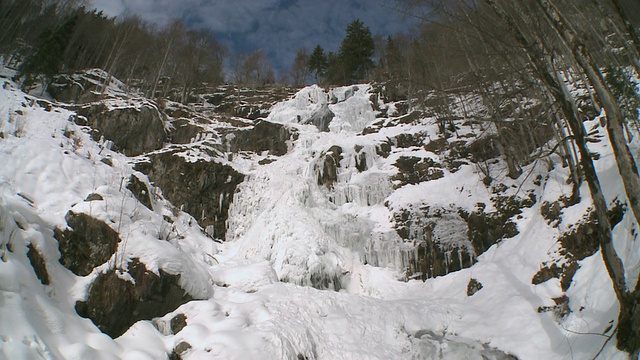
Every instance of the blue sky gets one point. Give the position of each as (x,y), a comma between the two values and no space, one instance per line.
(279,27)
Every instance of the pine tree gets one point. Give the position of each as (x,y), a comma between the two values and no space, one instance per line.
(318,62)
(46,58)
(355,53)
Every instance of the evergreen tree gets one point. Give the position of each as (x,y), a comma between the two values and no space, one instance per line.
(47,55)
(318,62)
(354,56)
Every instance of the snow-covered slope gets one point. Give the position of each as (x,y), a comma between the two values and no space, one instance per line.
(314,265)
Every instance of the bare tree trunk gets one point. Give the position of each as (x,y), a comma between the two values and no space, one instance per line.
(612,261)
(159,74)
(624,158)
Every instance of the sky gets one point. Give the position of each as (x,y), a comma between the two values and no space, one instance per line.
(279,27)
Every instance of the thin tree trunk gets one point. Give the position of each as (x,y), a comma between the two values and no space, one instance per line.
(543,68)
(164,61)
(624,158)
(629,328)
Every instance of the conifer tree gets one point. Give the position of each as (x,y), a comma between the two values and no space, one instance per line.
(318,62)
(354,56)
(47,55)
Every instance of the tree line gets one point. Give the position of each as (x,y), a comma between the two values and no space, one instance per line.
(44,38)
(352,63)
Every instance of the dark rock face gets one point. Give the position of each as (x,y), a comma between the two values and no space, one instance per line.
(413,170)
(88,243)
(73,89)
(409,118)
(407,140)
(37,262)
(264,136)
(249,103)
(383,149)
(133,130)
(391,91)
(329,173)
(65,89)
(115,304)
(183,131)
(140,191)
(448,240)
(484,148)
(442,245)
(81,87)
(485,229)
(94,197)
(361,159)
(203,189)
(577,243)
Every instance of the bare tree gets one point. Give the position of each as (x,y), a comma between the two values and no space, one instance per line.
(300,67)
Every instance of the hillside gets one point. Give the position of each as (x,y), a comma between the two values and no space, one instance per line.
(292,224)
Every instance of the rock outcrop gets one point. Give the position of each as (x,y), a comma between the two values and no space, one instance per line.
(448,240)
(441,242)
(87,243)
(264,136)
(114,304)
(140,191)
(39,266)
(203,189)
(133,130)
(414,170)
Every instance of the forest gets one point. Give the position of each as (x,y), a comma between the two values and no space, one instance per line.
(539,67)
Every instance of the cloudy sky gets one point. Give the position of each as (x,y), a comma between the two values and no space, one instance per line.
(279,27)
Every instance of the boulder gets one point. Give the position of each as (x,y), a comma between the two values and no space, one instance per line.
(37,262)
(114,304)
(87,243)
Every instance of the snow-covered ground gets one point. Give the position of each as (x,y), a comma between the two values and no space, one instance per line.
(287,234)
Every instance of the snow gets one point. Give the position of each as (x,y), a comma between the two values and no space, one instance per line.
(307,270)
